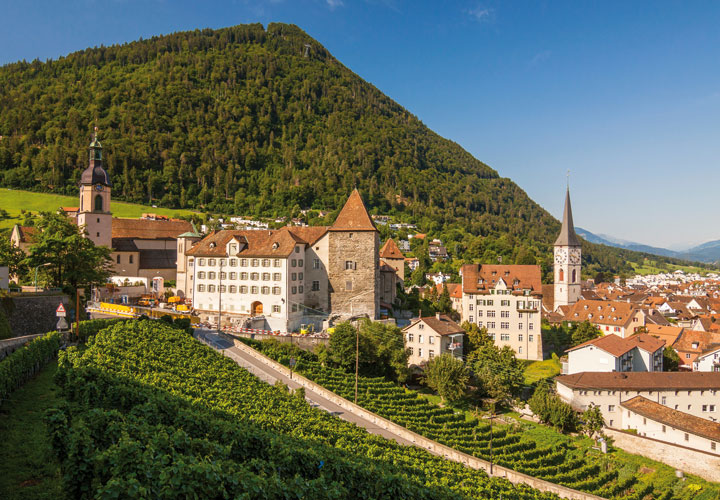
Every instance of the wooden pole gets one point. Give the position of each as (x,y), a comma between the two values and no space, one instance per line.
(77,313)
(357,359)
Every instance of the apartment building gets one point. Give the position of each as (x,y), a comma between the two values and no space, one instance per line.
(432,336)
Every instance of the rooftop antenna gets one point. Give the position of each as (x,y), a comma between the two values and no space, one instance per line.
(307,49)
(568,179)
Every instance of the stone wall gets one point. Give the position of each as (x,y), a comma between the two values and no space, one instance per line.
(303,342)
(361,248)
(421,441)
(9,346)
(32,314)
(699,463)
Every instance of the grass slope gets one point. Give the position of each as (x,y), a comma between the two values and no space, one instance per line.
(15,200)
(28,468)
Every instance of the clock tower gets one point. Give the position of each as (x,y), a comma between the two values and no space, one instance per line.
(567,260)
(94,211)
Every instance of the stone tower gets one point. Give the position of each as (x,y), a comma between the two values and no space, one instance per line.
(94,211)
(567,260)
(185,272)
(353,266)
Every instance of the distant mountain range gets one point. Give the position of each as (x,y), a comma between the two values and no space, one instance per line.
(707,252)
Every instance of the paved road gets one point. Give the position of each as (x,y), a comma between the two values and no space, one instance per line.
(270,375)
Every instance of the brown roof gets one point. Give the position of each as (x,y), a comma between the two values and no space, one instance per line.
(385,267)
(271,243)
(548,297)
(690,337)
(669,334)
(645,342)
(149,229)
(480,278)
(602,312)
(27,234)
(636,381)
(353,216)
(442,325)
(390,250)
(612,344)
(308,234)
(674,418)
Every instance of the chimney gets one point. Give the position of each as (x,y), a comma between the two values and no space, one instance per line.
(437,315)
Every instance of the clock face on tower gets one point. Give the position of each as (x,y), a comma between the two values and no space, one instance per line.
(560,257)
(574,256)
(99,187)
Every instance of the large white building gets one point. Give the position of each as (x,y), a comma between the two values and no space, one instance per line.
(506,300)
(282,279)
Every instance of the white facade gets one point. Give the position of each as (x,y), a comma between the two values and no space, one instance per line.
(593,359)
(708,362)
(567,275)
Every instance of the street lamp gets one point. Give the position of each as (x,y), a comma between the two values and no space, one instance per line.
(36,271)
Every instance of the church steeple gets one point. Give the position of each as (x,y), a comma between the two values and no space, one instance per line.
(95,174)
(95,186)
(567,236)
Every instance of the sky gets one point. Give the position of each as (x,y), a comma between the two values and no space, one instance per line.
(624,95)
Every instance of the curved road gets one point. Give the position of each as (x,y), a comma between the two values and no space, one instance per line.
(270,375)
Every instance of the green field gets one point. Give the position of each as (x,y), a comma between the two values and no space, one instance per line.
(653,267)
(542,369)
(13,201)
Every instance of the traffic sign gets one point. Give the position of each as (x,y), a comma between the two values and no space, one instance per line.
(60,311)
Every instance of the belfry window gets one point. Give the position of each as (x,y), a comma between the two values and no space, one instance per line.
(98,203)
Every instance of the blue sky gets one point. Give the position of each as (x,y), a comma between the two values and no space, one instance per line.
(626,95)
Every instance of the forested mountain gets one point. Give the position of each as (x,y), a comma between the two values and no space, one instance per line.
(258,121)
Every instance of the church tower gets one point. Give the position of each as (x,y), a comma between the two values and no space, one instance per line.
(94,210)
(567,260)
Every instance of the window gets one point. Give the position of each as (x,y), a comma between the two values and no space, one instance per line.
(223,276)
(223,262)
(531,338)
(294,289)
(201,275)
(663,400)
(420,338)
(266,276)
(132,257)
(301,276)
(233,276)
(431,354)
(664,429)
(711,408)
(118,259)
(201,288)
(211,288)
(504,325)
(479,314)
(233,262)
(265,290)
(349,265)
(505,303)
(233,289)
(277,276)
(504,314)
(301,289)
(687,356)
(297,249)
(348,286)
(687,437)
(293,276)
(222,289)
(293,263)
(471,319)
(316,263)
(201,262)
(520,337)
(254,276)
(243,262)
(276,309)
(491,324)
(611,407)
(410,351)
(520,350)
(520,325)
(431,339)
(410,337)
(294,308)
(420,352)
(211,262)
(243,276)
(254,289)
(277,263)
(266,262)
(713,445)
(244,289)
(255,262)
(277,290)
(212,275)
(315,286)
(98,203)
(488,302)
(505,337)
(491,314)
(530,326)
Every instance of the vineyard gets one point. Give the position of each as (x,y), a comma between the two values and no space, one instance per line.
(154,414)
(504,445)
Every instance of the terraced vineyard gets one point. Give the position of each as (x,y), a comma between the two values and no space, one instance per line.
(444,425)
(155,414)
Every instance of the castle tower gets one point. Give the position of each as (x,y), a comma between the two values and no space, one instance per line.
(94,211)
(353,267)
(567,260)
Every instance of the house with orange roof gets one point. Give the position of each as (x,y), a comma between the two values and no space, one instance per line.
(693,343)
(281,279)
(619,318)
(611,353)
(393,257)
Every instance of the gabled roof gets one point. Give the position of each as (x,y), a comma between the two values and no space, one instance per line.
(353,216)
(702,339)
(145,229)
(481,278)
(674,418)
(390,250)
(669,334)
(646,342)
(611,344)
(601,312)
(26,234)
(567,236)
(636,381)
(440,324)
(266,243)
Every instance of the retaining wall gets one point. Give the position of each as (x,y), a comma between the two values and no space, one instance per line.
(705,465)
(303,342)
(418,440)
(11,345)
(34,314)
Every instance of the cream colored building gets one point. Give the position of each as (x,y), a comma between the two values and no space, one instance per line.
(426,338)
(506,300)
(567,256)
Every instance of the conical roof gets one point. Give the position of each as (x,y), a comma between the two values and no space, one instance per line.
(567,236)
(353,216)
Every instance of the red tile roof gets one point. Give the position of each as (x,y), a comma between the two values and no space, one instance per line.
(271,243)
(149,229)
(602,312)
(635,381)
(481,278)
(442,325)
(353,216)
(669,334)
(28,234)
(390,250)
(674,418)
(612,344)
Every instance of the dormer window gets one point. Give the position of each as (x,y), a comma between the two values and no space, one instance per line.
(275,246)
(494,273)
(507,273)
(213,245)
(584,308)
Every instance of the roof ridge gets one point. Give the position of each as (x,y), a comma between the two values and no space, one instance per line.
(353,216)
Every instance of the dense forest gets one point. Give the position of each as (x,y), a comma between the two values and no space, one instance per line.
(257,121)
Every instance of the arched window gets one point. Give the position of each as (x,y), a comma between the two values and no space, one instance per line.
(98,203)
(561,276)
(574,276)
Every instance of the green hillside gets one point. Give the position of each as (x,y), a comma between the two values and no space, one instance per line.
(259,121)
(13,201)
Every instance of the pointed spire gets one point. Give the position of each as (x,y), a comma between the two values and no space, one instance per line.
(353,216)
(567,236)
